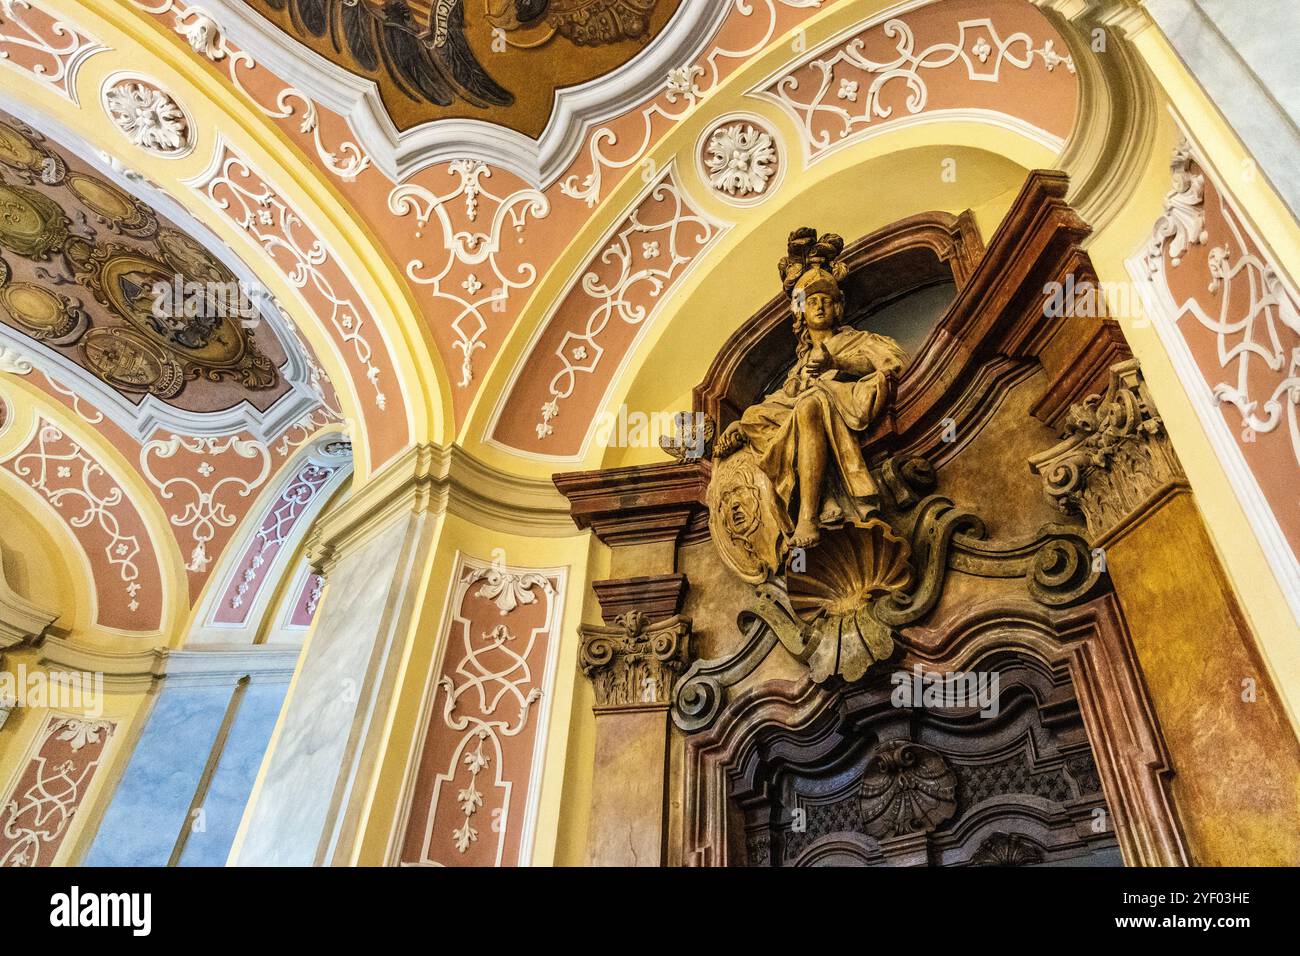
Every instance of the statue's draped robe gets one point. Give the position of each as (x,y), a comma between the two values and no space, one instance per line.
(852,395)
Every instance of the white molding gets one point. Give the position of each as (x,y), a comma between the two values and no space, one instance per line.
(218,663)
(540,162)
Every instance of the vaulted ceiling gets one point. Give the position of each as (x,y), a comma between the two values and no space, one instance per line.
(98,277)
(480,222)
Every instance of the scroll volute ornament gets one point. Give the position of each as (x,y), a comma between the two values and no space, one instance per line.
(635,662)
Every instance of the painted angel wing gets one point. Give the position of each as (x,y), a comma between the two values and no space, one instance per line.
(432,62)
(596,22)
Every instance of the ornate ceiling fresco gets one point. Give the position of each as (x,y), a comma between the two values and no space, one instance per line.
(502,59)
(158,394)
(92,272)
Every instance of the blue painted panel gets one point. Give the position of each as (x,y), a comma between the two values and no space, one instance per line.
(236,771)
(141,824)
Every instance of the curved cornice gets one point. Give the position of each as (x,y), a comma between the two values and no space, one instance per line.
(437,479)
(400,153)
(1115,131)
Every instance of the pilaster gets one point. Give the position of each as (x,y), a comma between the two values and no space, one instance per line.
(1236,760)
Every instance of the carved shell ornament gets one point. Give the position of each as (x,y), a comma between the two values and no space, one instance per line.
(836,594)
(906,788)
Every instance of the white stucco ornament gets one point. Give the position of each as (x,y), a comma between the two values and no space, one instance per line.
(740,158)
(148,117)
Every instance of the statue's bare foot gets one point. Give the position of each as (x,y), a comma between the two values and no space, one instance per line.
(730,441)
(832,513)
(806,533)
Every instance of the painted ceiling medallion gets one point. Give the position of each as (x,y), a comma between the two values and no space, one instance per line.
(740,159)
(439,58)
(92,273)
(149,117)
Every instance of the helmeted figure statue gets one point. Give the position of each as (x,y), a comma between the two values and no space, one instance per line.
(792,464)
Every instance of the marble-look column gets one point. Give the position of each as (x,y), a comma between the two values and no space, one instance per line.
(633,666)
(644,514)
(1236,760)
(373,552)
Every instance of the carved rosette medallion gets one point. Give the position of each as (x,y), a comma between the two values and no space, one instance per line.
(740,157)
(906,788)
(1115,454)
(148,116)
(636,662)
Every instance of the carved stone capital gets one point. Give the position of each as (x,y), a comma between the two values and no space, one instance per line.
(1115,455)
(635,663)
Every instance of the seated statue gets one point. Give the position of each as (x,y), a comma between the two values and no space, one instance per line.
(802,468)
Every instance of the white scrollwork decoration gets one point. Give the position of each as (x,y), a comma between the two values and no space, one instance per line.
(51,472)
(684,88)
(206,38)
(58,47)
(39,817)
(841,72)
(1182,224)
(296,250)
(470,248)
(645,259)
(1262,330)
(277,525)
(494,678)
(203,505)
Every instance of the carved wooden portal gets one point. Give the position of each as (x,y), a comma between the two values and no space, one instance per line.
(796,774)
(1025,482)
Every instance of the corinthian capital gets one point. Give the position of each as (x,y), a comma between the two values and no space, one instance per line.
(635,662)
(1114,457)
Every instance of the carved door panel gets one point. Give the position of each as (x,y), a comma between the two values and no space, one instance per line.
(875,784)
